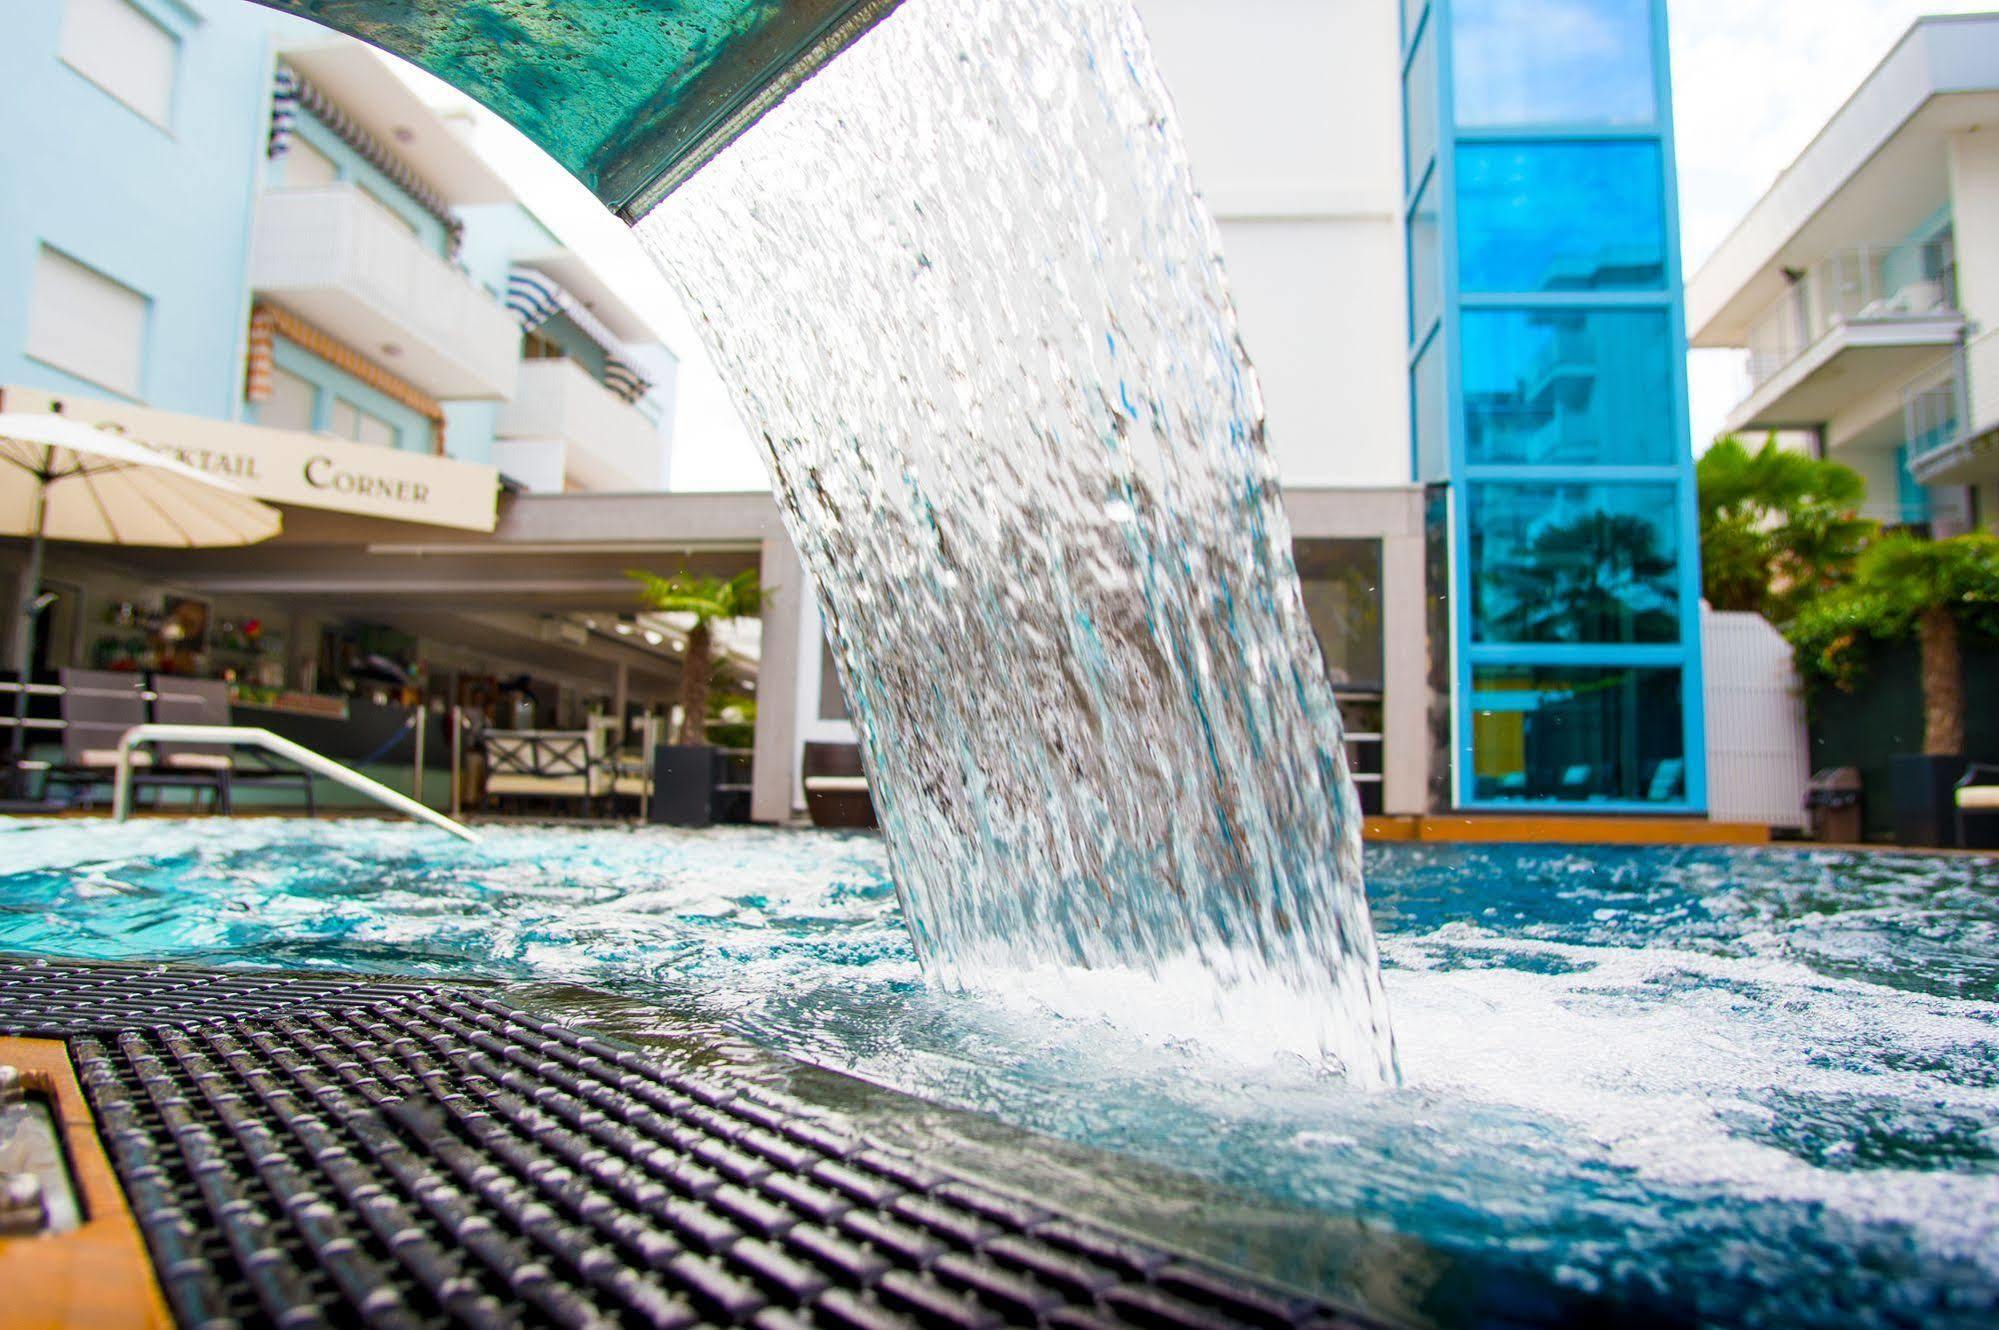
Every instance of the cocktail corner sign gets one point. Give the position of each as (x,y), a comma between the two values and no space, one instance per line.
(307,470)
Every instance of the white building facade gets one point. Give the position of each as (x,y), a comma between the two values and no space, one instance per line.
(1863,288)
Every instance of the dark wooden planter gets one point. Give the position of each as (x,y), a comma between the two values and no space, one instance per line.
(683,784)
(1924,794)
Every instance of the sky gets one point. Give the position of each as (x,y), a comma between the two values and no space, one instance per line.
(1754,81)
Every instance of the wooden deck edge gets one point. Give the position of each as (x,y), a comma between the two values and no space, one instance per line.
(1529,829)
(97,1276)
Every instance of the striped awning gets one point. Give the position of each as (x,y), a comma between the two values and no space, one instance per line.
(533,297)
(291,94)
(269,322)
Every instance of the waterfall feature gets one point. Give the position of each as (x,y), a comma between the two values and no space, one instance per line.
(977,317)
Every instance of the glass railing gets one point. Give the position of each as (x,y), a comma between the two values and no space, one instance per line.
(1867,284)
(1934,408)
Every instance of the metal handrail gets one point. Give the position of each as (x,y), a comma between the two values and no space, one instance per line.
(242,736)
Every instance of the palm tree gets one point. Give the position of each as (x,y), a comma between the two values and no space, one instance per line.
(711,600)
(1930,585)
(1777,527)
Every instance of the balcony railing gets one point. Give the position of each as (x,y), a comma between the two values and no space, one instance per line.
(1870,284)
(342,262)
(1935,409)
(609,444)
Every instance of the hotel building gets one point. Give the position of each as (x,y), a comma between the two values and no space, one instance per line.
(1451,232)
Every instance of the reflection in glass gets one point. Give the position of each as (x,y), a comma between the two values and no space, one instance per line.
(1561,217)
(1553,62)
(1569,387)
(1419,110)
(1426,263)
(1427,408)
(1341,580)
(1577,735)
(1574,563)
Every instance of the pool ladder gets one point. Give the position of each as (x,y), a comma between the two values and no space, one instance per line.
(243,736)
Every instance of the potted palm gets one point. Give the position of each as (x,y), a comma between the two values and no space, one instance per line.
(1934,592)
(684,771)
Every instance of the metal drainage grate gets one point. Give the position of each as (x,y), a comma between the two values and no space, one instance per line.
(438,1157)
(54,999)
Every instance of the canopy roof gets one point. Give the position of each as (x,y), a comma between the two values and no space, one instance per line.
(632,96)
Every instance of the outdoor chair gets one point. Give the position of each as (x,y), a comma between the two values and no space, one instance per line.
(178,701)
(547,764)
(1977,793)
(836,786)
(98,707)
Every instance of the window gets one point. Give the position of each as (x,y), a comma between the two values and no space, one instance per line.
(1426,265)
(1420,110)
(1412,14)
(83,322)
(1575,563)
(350,422)
(291,403)
(1341,581)
(306,167)
(832,698)
(381,208)
(1568,387)
(1553,62)
(116,46)
(1577,735)
(1561,217)
(1433,444)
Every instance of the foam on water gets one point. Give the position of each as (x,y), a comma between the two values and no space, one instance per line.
(1661,1072)
(976,313)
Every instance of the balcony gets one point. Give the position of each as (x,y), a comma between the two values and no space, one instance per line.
(341,261)
(1948,443)
(562,422)
(1857,323)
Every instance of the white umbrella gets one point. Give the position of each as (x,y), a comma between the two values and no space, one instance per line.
(63,480)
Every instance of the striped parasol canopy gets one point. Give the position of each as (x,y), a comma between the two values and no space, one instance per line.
(61,479)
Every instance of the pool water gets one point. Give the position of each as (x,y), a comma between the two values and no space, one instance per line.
(1742,1087)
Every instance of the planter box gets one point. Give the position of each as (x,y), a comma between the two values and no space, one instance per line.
(683,784)
(1924,794)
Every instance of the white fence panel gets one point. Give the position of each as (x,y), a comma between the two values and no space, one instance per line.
(1758,755)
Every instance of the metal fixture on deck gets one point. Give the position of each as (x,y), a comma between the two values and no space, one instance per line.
(234,736)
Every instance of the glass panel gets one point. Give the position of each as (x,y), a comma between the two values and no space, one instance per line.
(1561,217)
(1419,111)
(1427,388)
(81,321)
(1577,734)
(374,430)
(832,700)
(344,420)
(1341,580)
(1569,387)
(123,51)
(1412,14)
(306,167)
(1575,563)
(1553,62)
(291,403)
(1426,263)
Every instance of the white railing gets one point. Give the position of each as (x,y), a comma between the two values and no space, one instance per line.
(1871,283)
(455,339)
(235,736)
(611,443)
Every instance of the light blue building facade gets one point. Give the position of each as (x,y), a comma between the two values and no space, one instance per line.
(1549,406)
(172,167)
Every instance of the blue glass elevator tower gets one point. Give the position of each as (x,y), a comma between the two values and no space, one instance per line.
(1548,379)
